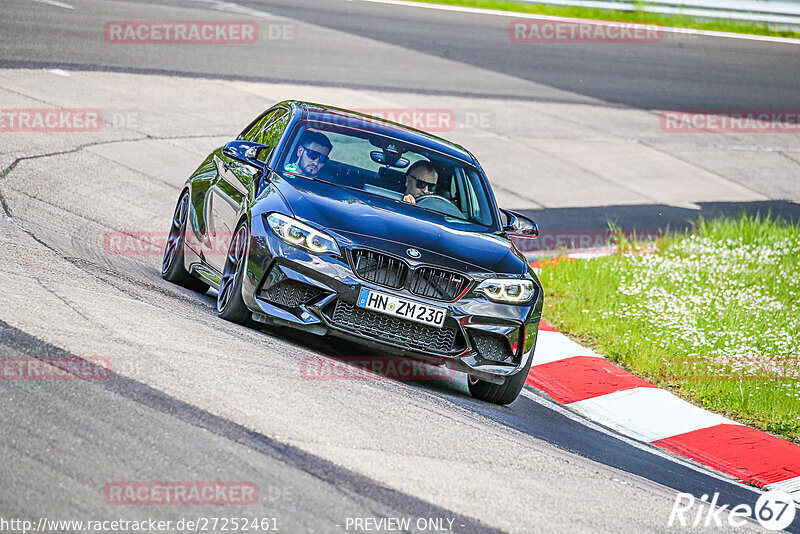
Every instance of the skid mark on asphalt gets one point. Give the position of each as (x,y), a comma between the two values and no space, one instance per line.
(62,299)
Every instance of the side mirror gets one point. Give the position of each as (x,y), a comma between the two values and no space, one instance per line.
(247,152)
(519,226)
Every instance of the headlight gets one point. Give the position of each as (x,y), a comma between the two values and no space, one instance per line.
(301,235)
(509,290)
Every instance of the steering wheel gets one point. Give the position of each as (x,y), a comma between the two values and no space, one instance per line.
(440,204)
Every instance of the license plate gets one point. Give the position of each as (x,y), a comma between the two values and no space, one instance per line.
(400,307)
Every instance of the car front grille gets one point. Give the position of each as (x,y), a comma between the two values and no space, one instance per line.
(428,282)
(437,283)
(394,330)
(492,347)
(379,268)
(290,293)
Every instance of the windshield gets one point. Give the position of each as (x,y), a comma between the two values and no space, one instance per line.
(391,169)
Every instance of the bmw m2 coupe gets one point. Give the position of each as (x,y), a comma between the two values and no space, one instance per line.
(339,223)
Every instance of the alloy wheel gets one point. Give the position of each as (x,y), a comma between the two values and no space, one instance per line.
(232,267)
(172,248)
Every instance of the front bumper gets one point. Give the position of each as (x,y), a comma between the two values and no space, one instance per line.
(318,293)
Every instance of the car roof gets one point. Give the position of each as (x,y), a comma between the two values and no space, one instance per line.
(321,113)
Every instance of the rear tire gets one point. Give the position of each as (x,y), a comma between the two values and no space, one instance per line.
(504,393)
(173,268)
(230,304)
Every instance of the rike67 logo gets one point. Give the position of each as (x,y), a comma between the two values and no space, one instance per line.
(774,510)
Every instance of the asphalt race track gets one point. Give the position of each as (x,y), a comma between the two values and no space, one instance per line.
(681,72)
(567,132)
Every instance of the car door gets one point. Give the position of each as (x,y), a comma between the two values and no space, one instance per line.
(236,184)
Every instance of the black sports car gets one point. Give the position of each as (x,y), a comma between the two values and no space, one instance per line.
(339,223)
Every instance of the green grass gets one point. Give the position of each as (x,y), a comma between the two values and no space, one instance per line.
(713,316)
(638,16)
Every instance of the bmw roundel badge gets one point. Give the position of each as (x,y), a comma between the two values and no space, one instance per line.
(414,253)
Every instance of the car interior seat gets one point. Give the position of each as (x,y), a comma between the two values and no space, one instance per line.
(392,179)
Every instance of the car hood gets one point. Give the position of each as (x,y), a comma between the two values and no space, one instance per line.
(360,219)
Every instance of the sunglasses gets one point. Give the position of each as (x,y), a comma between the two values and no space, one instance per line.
(423,185)
(314,155)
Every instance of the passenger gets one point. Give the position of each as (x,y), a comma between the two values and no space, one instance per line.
(421,179)
(312,153)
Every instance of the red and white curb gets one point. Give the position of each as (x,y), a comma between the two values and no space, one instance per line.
(585,382)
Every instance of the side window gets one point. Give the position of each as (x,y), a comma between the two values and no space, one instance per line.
(271,131)
(267,131)
(251,133)
(480,208)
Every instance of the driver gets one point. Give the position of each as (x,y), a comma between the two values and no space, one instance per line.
(421,179)
(312,153)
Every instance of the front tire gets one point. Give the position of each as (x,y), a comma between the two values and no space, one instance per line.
(504,393)
(173,268)
(230,304)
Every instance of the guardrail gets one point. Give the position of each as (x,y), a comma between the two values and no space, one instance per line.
(773,12)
